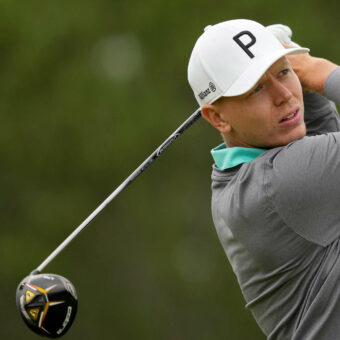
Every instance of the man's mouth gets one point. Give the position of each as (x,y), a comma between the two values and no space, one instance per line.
(290,117)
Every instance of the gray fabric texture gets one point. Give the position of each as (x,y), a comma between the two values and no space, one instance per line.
(278,220)
(332,86)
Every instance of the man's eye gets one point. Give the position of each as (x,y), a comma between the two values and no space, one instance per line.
(284,72)
(257,89)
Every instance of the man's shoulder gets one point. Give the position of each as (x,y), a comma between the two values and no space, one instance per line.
(306,156)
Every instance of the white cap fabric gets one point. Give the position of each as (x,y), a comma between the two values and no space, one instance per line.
(229,58)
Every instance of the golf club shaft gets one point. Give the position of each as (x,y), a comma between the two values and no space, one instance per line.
(121,187)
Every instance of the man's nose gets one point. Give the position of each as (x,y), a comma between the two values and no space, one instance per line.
(280,92)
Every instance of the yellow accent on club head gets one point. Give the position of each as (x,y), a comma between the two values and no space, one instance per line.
(34,313)
(37,288)
(29,296)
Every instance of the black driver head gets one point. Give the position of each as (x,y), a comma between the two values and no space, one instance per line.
(47,303)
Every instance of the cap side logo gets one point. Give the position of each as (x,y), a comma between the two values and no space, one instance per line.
(212,87)
(244,47)
(207,91)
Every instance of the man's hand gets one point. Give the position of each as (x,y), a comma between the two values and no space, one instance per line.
(312,71)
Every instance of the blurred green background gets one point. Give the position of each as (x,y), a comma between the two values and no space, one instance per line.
(88,90)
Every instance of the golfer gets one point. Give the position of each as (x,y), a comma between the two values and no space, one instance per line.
(276,177)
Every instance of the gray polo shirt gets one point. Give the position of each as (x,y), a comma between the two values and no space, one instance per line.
(277,215)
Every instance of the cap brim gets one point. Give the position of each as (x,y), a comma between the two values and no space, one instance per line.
(252,74)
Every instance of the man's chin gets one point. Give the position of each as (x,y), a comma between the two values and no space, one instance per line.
(285,140)
(298,133)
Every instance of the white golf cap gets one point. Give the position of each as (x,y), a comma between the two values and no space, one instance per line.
(229,58)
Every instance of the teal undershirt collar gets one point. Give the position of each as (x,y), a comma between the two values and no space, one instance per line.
(226,158)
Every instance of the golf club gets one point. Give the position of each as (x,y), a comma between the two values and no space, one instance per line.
(48,302)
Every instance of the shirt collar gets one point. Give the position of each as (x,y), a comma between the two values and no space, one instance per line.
(226,158)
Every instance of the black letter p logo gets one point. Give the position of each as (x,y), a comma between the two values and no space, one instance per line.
(244,47)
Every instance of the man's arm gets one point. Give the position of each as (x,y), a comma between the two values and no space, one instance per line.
(302,183)
(321,115)
(332,86)
(319,78)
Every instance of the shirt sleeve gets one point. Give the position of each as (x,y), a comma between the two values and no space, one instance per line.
(332,86)
(321,115)
(302,182)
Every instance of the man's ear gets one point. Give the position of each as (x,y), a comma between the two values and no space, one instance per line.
(211,113)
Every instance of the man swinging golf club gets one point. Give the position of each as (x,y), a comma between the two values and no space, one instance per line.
(276,177)
(275,191)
